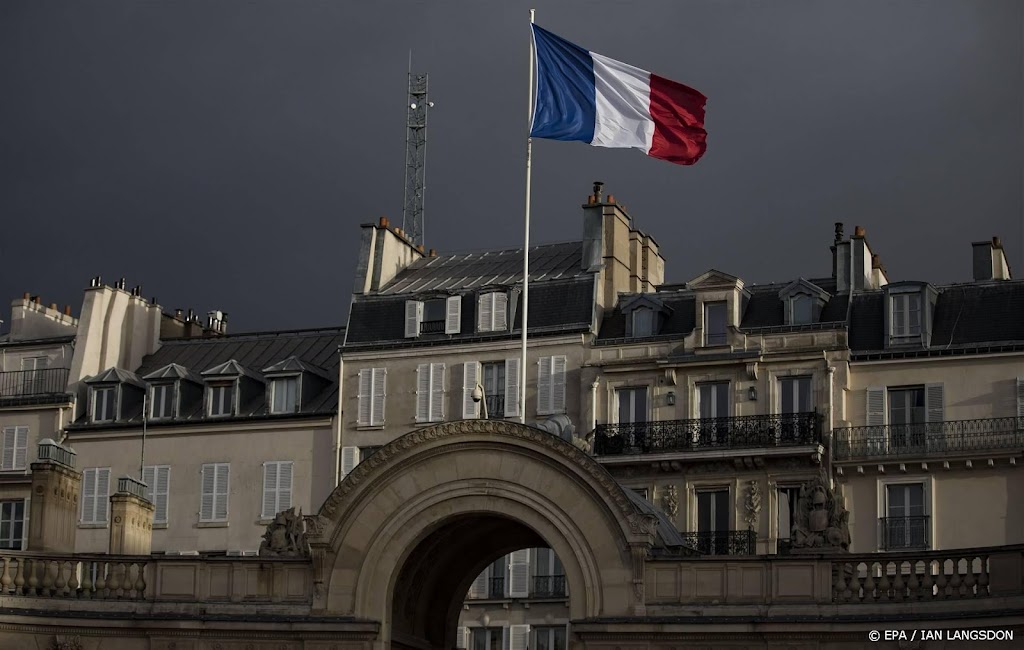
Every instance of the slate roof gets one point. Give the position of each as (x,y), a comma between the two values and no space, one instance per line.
(319,348)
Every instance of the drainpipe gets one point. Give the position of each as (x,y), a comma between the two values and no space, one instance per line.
(831,371)
(593,401)
(337,431)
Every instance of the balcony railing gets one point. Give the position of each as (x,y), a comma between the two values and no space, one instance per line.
(927,439)
(33,383)
(496,587)
(723,542)
(495,407)
(904,533)
(548,586)
(745,432)
(431,326)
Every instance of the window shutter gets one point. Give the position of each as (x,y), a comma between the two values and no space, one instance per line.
(511,388)
(423,392)
(436,392)
(453,315)
(163,490)
(460,637)
(875,406)
(1020,397)
(519,637)
(380,384)
(220,510)
(206,501)
(504,638)
(558,384)
(934,403)
(500,318)
(349,459)
(88,496)
(519,574)
(20,447)
(365,413)
(470,379)
(284,486)
(413,316)
(479,587)
(10,436)
(269,490)
(544,386)
(102,494)
(150,481)
(485,313)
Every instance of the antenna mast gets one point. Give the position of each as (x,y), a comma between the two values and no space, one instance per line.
(415,155)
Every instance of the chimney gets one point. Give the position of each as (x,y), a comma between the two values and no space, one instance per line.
(835,246)
(67,310)
(26,296)
(854,270)
(990,261)
(383,252)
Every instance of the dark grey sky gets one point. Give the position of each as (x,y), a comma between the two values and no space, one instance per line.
(222,154)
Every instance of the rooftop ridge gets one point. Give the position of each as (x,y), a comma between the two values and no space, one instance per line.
(263,334)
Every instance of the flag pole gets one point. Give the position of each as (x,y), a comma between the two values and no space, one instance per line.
(526,237)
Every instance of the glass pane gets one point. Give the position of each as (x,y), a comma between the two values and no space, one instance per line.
(643,322)
(559,634)
(714,323)
(788,404)
(802,310)
(434,310)
(722,400)
(805,405)
(705,401)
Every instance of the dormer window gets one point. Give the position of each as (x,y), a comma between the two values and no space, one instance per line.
(492,312)
(910,309)
(221,398)
(714,323)
(905,316)
(104,403)
(284,395)
(161,401)
(643,322)
(803,302)
(801,309)
(644,315)
(433,316)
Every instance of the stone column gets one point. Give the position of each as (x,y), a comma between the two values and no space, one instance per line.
(131,519)
(53,509)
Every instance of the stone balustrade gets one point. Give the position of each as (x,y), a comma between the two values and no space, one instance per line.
(913,576)
(85,577)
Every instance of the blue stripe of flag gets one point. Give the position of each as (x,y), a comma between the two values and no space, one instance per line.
(566,102)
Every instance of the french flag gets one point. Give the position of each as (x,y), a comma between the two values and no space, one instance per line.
(582,95)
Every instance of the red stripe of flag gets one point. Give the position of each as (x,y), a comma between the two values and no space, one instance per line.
(678,114)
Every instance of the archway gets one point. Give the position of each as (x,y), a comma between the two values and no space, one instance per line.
(403,536)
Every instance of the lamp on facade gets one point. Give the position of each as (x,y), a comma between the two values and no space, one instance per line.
(752,393)
(670,398)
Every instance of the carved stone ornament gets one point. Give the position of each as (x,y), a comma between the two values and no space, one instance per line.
(752,504)
(670,501)
(820,522)
(285,536)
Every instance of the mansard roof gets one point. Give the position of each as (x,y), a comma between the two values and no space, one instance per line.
(116,376)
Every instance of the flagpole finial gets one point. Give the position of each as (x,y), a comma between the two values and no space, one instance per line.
(597,191)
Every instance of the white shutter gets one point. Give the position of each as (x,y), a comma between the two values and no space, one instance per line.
(349,459)
(544,386)
(479,587)
(558,384)
(150,481)
(519,574)
(102,494)
(207,487)
(20,447)
(500,318)
(423,392)
(284,486)
(437,392)
(220,510)
(413,317)
(269,490)
(453,315)
(1020,397)
(934,403)
(470,379)
(462,638)
(162,494)
(485,312)
(380,384)
(365,411)
(504,638)
(519,637)
(24,524)
(875,407)
(511,388)
(88,496)
(10,436)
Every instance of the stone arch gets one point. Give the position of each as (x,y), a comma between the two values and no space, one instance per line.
(425,513)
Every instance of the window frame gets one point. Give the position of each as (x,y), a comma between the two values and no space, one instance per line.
(277,491)
(374,398)
(211,389)
(213,519)
(295,404)
(93,520)
(171,398)
(12,542)
(797,299)
(651,322)
(716,338)
(94,393)
(16,431)
(900,303)
(154,495)
(882,491)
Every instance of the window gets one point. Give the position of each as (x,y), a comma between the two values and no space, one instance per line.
(787,504)
(12,524)
(433,316)
(284,395)
(714,323)
(34,380)
(492,312)
(162,402)
(632,404)
(15,445)
(222,399)
(372,391)
(906,523)
(430,392)
(213,504)
(489,638)
(802,307)
(497,586)
(905,316)
(158,488)
(643,322)
(103,403)
(494,388)
(713,522)
(350,457)
(366,452)
(549,638)
(551,385)
(795,395)
(277,487)
(548,574)
(906,417)
(95,495)
(640,491)
(713,400)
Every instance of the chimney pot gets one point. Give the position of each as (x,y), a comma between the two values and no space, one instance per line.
(67,310)
(597,191)
(177,313)
(53,306)
(997,243)
(35,299)
(383,222)
(433,253)
(611,198)
(858,231)
(839,232)
(26,296)
(419,247)
(590,200)
(153,300)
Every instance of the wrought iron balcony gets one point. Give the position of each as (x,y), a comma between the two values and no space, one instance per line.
(723,542)
(495,407)
(431,326)
(745,432)
(903,533)
(548,586)
(927,439)
(32,386)
(496,587)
